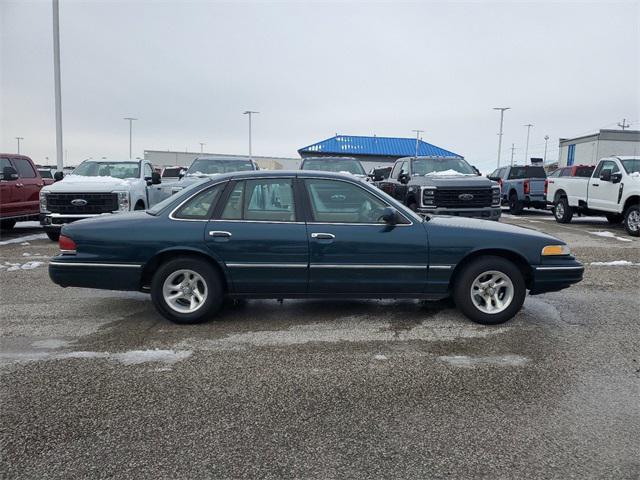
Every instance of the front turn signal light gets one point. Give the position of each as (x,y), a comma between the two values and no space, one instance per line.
(555,250)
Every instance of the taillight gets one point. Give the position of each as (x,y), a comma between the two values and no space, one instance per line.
(526,187)
(546,186)
(66,245)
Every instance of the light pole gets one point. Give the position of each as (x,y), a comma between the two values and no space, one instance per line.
(418,132)
(18,139)
(502,110)
(202,144)
(546,139)
(526,150)
(250,113)
(131,120)
(513,150)
(56,77)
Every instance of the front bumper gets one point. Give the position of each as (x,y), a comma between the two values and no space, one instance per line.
(554,277)
(487,213)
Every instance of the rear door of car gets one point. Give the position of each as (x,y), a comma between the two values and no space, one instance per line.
(259,233)
(352,251)
(28,185)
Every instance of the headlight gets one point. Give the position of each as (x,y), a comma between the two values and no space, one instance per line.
(495,198)
(428,196)
(123,201)
(551,250)
(43,201)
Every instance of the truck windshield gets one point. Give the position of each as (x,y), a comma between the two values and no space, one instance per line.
(517,173)
(108,169)
(212,166)
(442,166)
(171,172)
(351,166)
(182,194)
(631,165)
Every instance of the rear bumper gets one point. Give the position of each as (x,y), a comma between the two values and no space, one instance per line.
(109,276)
(551,278)
(488,213)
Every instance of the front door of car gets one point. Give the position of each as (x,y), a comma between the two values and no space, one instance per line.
(7,192)
(260,236)
(603,194)
(352,250)
(28,188)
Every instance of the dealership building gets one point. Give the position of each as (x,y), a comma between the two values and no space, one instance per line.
(588,149)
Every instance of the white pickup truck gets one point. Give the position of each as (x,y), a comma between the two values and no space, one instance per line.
(98,187)
(613,191)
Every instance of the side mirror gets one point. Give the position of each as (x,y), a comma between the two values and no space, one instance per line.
(389,216)
(495,179)
(58,176)
(403,178)
(475,169)
(616,177)
(155,178)
(181,173)
(9,173)
(605,175)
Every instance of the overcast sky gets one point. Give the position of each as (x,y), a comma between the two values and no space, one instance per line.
(189,70)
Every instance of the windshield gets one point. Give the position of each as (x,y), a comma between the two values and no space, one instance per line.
(631,165)
(527,172)
(45,173)
(210,166)
(109,169)
(171,171)
(158,207)
(441,166)
(351,166)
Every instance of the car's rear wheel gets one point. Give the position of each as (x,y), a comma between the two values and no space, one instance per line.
(186,290)
(614,218)
(562,210)
(7,224)
(489,290)
(53,236)
(632,220)
(515,205)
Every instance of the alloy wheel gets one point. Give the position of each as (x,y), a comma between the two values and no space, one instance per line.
(492,292)
(184,291)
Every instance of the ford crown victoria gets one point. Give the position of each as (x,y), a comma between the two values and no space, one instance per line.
(275,234)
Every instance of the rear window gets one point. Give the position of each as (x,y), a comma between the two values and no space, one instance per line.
(527,172)
(584,171)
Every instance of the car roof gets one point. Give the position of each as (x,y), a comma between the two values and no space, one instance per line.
(330,159)
(284,173)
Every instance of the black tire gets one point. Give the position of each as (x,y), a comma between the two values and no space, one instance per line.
(464,280)
(413,206)
(564,213)
(139,206)
(7,224)
(212,280)
(515,205)
(614,218)
(631,216)
(53,236)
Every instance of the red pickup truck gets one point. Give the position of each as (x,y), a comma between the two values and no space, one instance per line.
(20,184)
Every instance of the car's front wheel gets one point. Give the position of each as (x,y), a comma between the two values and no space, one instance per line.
(632,220)
(489,290)
(187,290)
(7,224)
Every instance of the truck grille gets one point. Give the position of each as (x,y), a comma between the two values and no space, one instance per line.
(96,203)
(452,197)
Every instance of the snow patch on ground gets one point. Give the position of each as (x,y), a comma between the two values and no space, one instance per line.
(607,234)
(26,238)
(13,267)
(133,357)
(472,361)
(51,343)
(614,263)
(25,243)
(380,357)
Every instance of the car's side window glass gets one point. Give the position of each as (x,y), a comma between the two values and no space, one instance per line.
(24,168)
(269,200)
(404,168)
(608,165)
(147,170)
(333,201)
(233,208)
(201,205)
(396,170)
(4,162)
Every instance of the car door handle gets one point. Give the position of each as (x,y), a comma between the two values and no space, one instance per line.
(219,234)
(323,236)
(19,185)
(595,184)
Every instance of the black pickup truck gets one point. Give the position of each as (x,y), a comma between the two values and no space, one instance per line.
(443,186)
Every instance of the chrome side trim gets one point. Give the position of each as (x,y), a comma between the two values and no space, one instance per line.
(369,266)
(559,268)
(251,221)
(83,264)
(68,252)
(266,265)
(362,224)
(440,267)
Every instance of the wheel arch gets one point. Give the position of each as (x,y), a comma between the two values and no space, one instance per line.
(558,195)
(515,257)
(163,256)
(632,200)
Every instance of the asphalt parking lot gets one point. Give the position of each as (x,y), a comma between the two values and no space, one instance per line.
(95,384)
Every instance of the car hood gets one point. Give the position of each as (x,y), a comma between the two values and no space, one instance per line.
(452,181)
(81,183)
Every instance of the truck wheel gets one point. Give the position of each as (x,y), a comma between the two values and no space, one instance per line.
(413,206)
(614,218)
(632,220)
(7,224)
(562,211)
(186,290)
(515,206)
(490,290)
(53,236)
